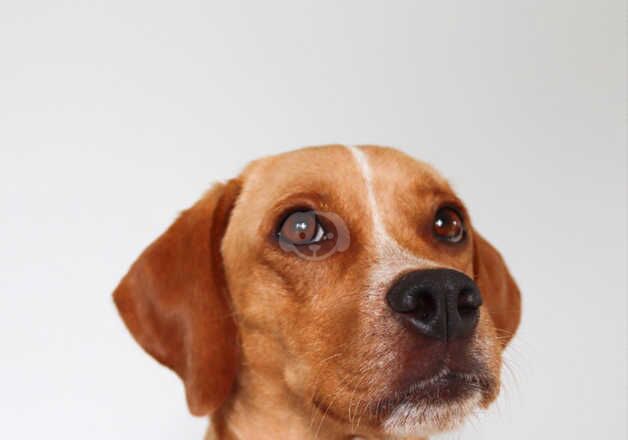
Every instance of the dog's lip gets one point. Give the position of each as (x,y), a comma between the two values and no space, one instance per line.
(443,387)
(446,376)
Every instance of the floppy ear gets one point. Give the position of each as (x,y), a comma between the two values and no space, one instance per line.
(174,301)
(499,291)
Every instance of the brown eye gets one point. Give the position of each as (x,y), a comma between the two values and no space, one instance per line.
(448,225)
(301,228)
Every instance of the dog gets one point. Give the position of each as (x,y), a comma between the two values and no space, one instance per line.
(329,292)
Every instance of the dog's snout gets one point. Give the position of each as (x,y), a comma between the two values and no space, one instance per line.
(439,303)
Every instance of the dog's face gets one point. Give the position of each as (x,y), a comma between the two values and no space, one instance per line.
(350,278)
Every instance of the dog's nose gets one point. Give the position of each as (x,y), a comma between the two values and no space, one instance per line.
(439,303)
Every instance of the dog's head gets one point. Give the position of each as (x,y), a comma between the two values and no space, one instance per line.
(351,279)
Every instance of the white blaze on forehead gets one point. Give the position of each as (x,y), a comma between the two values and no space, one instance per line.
(392,258)
(365,169)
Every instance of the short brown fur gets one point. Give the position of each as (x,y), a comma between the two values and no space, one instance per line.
(274,346)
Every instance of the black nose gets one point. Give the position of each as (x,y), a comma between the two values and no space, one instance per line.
(440,303)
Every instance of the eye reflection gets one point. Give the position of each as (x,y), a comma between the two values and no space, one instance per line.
(302,228)
(448,225)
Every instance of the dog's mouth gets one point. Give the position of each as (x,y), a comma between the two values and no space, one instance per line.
(426,406)
(436,404)
(443,388)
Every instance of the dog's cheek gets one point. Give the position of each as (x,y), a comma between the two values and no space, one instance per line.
(487,350)
(298,378)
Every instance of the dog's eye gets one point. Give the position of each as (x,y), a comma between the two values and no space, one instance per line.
(302,228)
(448,225)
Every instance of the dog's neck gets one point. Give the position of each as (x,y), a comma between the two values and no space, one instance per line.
(262,412)
(257,411)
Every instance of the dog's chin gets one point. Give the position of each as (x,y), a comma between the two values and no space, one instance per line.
(441,403)
(422,419)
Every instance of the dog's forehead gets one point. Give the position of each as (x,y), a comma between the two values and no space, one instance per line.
(304,170)
(340,170)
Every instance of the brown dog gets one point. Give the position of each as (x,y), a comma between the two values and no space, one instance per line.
(331,292)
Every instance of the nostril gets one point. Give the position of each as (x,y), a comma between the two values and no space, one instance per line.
(403,303)
(468,302)
(426,307)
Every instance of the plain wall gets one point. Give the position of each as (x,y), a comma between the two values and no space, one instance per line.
(115,115)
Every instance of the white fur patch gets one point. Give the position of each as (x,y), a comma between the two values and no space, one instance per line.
(412,420)
(392,259)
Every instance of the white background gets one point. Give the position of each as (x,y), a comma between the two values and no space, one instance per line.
(115,115)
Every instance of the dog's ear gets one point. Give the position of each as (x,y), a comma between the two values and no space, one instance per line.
(499,290)
(174,301)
